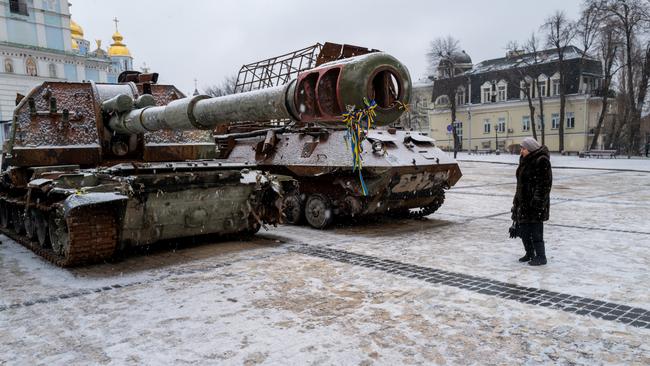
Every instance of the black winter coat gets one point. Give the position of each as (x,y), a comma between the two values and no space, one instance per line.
(534,180)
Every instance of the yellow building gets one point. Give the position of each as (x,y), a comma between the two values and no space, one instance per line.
(492,105)
(481,126)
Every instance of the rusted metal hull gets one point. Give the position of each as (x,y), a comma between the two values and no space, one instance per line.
(76,191)
(88,216)
(402,170)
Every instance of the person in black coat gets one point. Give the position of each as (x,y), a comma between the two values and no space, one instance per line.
(530,207)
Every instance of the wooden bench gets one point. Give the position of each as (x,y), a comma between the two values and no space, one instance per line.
(598,154)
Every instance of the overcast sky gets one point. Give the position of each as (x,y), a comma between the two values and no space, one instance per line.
(209,40)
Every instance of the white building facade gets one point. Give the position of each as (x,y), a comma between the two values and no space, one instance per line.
(40,42)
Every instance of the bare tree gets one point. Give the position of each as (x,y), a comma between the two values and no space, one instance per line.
(598,28)
(631,17)
(560,32)
(520,75)
(442,61)
(226,87)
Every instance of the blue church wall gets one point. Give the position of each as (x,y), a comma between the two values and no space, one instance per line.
(54,38)
(19,31)
(92,74)
(70,72)
(111,78)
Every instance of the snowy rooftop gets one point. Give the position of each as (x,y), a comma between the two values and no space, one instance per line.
(504,63)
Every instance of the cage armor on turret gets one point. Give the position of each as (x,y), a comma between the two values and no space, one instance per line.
(344,171)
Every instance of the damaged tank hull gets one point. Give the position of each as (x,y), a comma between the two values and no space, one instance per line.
(402,171)
(76,191)
(78,216)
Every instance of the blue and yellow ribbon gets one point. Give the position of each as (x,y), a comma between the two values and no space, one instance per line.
(358,122)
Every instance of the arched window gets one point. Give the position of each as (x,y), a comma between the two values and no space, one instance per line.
(526,88)
(9,66)
(52,69)
(502,91)
(555,84)
(542,82)
(30,67)
(442,100)
(460,95)
(486,92)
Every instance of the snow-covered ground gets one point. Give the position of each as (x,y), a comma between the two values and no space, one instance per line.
(620,162)
(261,302)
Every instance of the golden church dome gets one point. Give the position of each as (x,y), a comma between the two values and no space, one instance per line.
(118,48)
(75,30)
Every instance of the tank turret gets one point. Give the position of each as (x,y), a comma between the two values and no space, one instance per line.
(77,190)
(345,170)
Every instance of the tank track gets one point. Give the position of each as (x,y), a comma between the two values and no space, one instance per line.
(92,239)
(431,208)
(422,211)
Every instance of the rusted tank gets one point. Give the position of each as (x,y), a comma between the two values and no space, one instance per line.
(396,172)
(80,183)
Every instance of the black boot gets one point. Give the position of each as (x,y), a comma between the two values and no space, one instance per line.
(540,254)
(526,258)
(538,261)
(530,253)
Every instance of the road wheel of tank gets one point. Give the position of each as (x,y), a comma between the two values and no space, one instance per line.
(5,216)
(30,225)
(318,211)
(59,235)
(40,226)
(292,209)
(18,219)
(253,226)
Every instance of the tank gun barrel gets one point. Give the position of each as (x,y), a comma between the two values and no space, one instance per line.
(320,95)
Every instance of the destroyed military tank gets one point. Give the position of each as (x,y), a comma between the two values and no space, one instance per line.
(90,169)
(327,137)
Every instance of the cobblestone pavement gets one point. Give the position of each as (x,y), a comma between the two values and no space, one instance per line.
(444,290)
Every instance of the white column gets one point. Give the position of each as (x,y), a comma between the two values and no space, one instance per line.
(81,72)
(39,18)
(3,23)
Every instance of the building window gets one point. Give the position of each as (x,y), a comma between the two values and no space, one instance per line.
(442,100)
(570,120)
(9,66)
(501,125)
(555,121)
(30,67)
(542,80)
(555,87)
(526,87)
(18,7)
(460,96)
(525,123)
(486,93)
(459,129)
(486,126)
(502,91)
(52,69)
